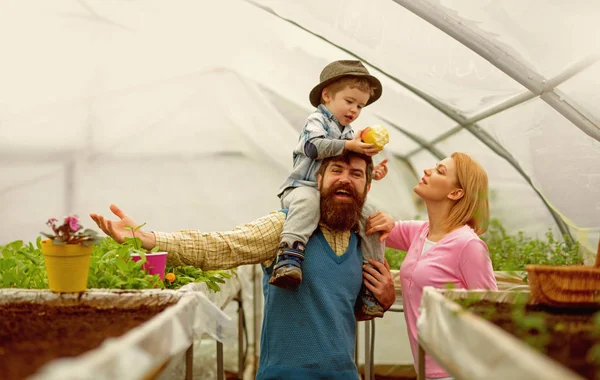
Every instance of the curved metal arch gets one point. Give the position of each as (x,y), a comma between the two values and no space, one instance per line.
(509,64)
(422,142)
(516,100)
(446,110)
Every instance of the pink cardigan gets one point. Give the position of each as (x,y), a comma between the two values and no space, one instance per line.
(461,258)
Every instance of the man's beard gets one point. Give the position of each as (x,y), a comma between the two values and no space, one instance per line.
(341,215)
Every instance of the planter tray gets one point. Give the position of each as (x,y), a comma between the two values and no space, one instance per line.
(142,349)
(504,279)
(470,347)
(228,290)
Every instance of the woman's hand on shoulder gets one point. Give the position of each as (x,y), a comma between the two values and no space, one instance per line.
(380,222)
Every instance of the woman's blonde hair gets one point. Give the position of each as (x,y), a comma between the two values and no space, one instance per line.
(473,208)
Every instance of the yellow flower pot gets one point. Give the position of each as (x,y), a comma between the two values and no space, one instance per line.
(67,266)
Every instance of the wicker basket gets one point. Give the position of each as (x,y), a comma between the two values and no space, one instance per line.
(566,286)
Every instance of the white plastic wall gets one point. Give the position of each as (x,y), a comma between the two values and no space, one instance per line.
(185,113)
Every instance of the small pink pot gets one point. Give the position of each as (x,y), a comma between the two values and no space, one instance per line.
(156,262)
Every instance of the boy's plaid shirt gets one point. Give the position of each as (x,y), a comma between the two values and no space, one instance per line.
(320,124)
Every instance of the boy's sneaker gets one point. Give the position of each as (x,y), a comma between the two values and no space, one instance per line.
(287,273)
(367,307)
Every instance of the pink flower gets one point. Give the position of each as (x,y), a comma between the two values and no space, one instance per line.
(71,232)
(73,222)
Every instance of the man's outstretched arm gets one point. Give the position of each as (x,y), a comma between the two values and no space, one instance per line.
(252,243)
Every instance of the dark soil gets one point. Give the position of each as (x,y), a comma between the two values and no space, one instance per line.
(34,334)
(569,336)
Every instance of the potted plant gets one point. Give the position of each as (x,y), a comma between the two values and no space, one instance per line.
(67,254)
(154,261)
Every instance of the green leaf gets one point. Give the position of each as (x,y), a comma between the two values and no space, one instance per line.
(121,264)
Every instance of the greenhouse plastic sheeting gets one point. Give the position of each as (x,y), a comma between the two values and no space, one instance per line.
(471,348)
(504,279)
(138,352)
(510,280)
(185,113)
(227,291)
(397,350)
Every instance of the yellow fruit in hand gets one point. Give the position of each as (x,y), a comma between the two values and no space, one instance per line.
(376,135)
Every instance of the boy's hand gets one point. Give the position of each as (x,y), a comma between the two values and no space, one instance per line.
(356,145)
(381,170)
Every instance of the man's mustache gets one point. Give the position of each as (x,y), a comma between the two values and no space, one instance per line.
(345,187)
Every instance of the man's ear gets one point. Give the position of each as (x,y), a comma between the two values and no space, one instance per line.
(367,189)
(319,179)
(456,194)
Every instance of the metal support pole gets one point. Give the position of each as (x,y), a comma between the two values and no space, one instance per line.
(368,358)
(510,64)
(241,331)
(220,367)
(421,373)
(356,347)
(189,362)
(255,295)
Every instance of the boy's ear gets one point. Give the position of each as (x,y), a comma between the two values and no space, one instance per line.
(325,96)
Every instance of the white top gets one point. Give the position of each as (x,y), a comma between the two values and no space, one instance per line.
(427,245)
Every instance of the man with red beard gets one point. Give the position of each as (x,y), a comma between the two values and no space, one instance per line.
(308,332)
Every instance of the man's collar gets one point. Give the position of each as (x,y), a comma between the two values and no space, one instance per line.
(323,226)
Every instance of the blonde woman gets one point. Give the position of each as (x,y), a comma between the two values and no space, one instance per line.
(446,248)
